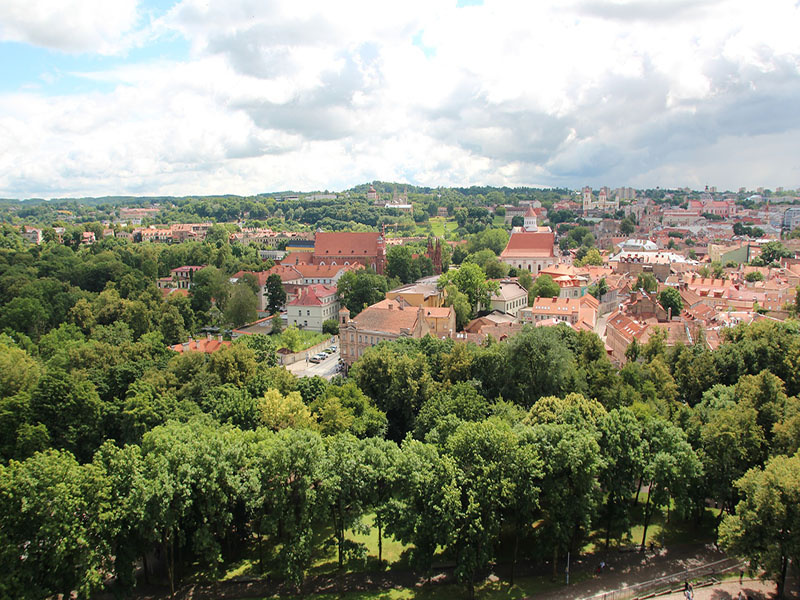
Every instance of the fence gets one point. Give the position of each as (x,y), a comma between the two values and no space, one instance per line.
(290,359)
(665,584)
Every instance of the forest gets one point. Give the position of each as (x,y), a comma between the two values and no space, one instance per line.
(119,454)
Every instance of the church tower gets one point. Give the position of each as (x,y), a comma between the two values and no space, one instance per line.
(531,220)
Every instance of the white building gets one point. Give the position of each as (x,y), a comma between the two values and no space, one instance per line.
(510,298)
(316,304)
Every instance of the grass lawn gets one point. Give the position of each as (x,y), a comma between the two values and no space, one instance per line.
(305,339)
(659,532)
(395,555)
(439,226)
(499,221)
(327,559)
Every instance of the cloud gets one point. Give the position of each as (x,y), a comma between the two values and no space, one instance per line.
(287,95)
(68,25)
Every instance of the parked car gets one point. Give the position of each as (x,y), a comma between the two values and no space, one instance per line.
(315,359)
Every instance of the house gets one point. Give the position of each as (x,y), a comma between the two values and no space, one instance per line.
(324,274)
(621,330)
(571,284)
(493,320)
(208,345)
(263,326)
(530,250)
(418,294)
(580,312)
(389,320)
(184,276)
(510,298)
(343,248)
(316,304)
(31,234)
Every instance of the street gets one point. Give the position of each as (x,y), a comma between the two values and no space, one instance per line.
(326,369)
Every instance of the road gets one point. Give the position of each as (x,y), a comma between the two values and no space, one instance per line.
(600,327)
(327,369)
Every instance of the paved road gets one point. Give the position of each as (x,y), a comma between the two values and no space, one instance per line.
(600,327)
(325,369)
(729,590)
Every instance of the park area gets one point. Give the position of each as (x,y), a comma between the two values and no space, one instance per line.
(672,547)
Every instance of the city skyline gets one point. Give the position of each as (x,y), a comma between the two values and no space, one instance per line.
(174,98)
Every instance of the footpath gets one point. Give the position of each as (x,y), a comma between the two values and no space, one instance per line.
(622,569)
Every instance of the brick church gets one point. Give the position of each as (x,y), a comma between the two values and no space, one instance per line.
(342,248)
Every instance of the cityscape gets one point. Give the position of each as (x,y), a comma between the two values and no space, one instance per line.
(430,300)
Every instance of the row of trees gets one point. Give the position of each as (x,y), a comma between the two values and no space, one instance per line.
(193,491)
(190,490)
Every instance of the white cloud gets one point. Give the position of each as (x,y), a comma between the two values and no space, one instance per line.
(69,25)
(281,94)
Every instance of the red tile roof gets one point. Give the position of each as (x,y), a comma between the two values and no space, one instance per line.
(312,295)
(389,316)
(532,244)
(202,345)
(346,244)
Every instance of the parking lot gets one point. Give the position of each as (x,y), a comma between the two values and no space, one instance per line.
(327,367)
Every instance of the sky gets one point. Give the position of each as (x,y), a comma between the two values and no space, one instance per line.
(196,97)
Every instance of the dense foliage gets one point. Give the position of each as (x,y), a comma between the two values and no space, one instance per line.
(116,451)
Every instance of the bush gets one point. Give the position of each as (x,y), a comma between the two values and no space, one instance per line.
(331,327)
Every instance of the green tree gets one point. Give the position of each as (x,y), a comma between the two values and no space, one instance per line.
(460,304)
(646,282)
(525,280)
(470,280)
(171,325)
(242,305)
(330,327)
(623,455)
(427,499)
(729,442)
(627,226)
(592,257)
(278,411)
(276,295)
(68,405)
(359,289)
(262,346)
(764,528)
(598,289)
(670,298)
(543,287)
(773,252)
(400,264)
(569,489)
(671,467)
(398,382)
(539,363)
(347,491)
(209,283)
(485,455)
(284,499)
(51,520)
(754,276)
